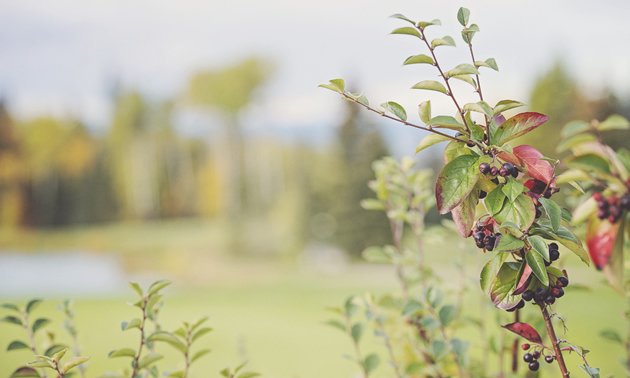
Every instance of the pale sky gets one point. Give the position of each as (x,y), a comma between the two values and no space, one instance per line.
(57,56)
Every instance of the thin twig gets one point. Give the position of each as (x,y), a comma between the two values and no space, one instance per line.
(554,341)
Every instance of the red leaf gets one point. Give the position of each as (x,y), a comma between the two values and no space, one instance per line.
(527,158)
(600,239)
(526,279)
(516,126)
(524,330)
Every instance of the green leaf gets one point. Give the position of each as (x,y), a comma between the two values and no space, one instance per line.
(462,16)
(460,347)
(349,307)
(591,371)
(124,352)
(159,285)
(574,128)
(429,323)
(512,189)
(454,149)
(554,212)
(430,140)
(200,333)
(10,306)
(362,99)
(153,301)
(479,107)
(515,127)
(492,63)
(520,212)
(149,359)
(469,32)
(40,364)
(442,42)
(57,356)
(446,122)
(74,361)
(407,30)
(466,78)
(376,255)
(419,59)
(411,307)
(373,204)
(456,181)
(439,348)
(536,262)
(424,110)
(494,200)
(176,374)
(588,162)
(490,271)
(447,315)
(15,345)
(136,288)
(509,243)
(569,240)
(575,141)
(612,335)
(134,323)
(504,285)
(464,213)
(424,24)
(11,319)
(168,338)
(225,372)
(431,85)
(357,331)
(467,68)
(505,105)
(614,122)
(200,354)
(538,244)
(39,323)
(395,109)
(248,375)
(30,306)
(336,324)
(25,372)
(371,362)
(339,84)
(54,349)
(401,17)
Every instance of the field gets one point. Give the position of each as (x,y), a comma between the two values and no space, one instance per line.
(271,313)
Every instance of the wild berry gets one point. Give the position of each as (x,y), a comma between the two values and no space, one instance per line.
(484,168)
(520,304)
(525,346)
(536,354)
(548,193)
(538,212)
(602,213)
(597,196)
(534,365)
(528,295)
(528,357)
(479,236)
(615,211)
(562,282)
(554,254)
(557,292)
(511,309)
(494,171)
(611,200)
(549,359)
(612,219)
(602,204)
(547,263)
(470,143)
(540,294)
(509,167)
(624,202)
(515,172)
(550,299)
(503,172)
(553,246)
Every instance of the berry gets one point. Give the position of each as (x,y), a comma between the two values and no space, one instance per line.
(482,194)
(602,213)
(470,143)
(528,357)
(515,172)
(557,292)
(553,246)
(484,168)
(548,193)
(602,204)
(536,186)
(597,196)
(550,299)
(490,247)
(479,236)
(494,171)
(536,354)
(547,263)
(520,304)
(458,134)
(525,347)
(503,172)
(611,200)
(562,282)
(528,295)
(612,219)
(538,212)
(625,202)
(534,365)
(615,211)
(511,309)
(540,294)
(494,180)
(549,359)
(509,167)
(554,254)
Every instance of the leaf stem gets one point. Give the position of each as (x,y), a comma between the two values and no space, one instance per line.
(31,337)
(554,341)
(142,341)
(478,90)
(357,351)
(187,354)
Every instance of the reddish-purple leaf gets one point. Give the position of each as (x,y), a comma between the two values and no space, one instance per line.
(524,282)
(464,214)
(600,239)
(524,330)
(516,126)
(527,158)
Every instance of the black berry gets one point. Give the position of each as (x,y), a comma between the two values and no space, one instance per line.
(538,212)
(550,299)
(503,172)
(458,134)
(494,171)
(547,194)
(557,292)
(528,295)
(520,304)
(515,172)
(536,354)
(484,168)
(482,194)
(509,167)
(615,211)
(534,365)
(625,202)
(479,236)
(553,246)
(549,359)
(528,357)
(554,254)
(547,263)
(562,282)
(602,213)
(540,294)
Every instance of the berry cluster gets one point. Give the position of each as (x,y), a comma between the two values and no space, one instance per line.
(532,358)
(542,295)
(485,239)
(611,208)
(506,169)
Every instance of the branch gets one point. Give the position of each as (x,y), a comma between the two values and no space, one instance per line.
(554,341)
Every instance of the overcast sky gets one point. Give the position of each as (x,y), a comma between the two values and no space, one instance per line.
(58,57)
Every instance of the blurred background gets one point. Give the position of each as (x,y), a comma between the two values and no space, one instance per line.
(188,140)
